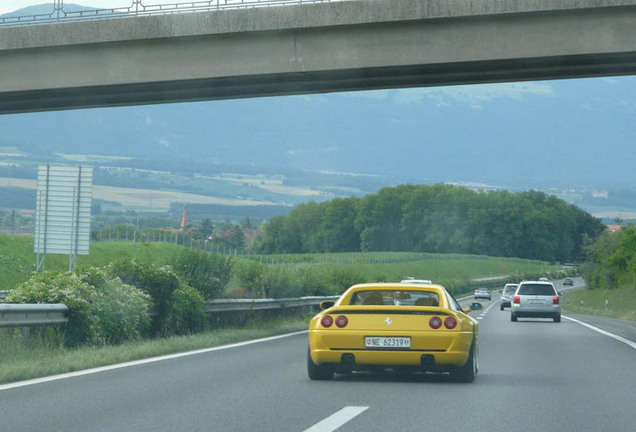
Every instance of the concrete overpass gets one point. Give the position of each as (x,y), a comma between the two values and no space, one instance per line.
(326,47)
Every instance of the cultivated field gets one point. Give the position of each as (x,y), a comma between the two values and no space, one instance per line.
(144,199)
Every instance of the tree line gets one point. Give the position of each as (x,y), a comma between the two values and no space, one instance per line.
(437,219)
(611,260)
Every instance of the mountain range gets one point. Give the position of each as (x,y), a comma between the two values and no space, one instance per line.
(575,133)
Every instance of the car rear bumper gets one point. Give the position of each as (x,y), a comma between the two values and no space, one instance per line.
(536,314)
(356,357)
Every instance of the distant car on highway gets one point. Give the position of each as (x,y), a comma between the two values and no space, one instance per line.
(482,293)
(382,327)
(543,279)
(568,281)
(506,295)
(536,299)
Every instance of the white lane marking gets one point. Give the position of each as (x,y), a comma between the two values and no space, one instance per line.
(336,420)
(483,314)
(143,361)
(603,332)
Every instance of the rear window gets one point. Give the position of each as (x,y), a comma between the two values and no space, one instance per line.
(509,289)
(536,289)
(395,298)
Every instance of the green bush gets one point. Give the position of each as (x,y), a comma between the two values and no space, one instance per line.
(123,309)
(187,312)
(281,282)
(314,282)
(340,279)
(204,271)
(159,282)
(251,275)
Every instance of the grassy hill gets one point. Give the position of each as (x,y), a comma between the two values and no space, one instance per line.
(17,262)
(17,259)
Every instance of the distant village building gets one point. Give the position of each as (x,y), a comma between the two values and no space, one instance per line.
(599,193)
(613,228)
(184,220)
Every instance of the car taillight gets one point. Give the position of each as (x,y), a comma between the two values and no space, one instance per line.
(517,300)
(341,321)
(435,322)
(555,300)
(326,321)
(450,323)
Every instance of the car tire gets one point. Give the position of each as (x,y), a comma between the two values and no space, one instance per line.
(513,317)
(557,318)
(318,372)
(468,372)
(501,307)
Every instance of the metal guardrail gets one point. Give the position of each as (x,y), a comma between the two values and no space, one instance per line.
(56,11)
(234,305)
(25,315)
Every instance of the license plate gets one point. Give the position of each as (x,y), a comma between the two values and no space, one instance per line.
(381,342)
(536,301)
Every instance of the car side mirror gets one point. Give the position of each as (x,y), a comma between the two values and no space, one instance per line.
(326,304)
(474,306)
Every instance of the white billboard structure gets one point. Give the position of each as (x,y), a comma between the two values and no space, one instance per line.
(63,212)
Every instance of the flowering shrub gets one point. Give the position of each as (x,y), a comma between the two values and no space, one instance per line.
(83,325)
(123,310)
(101,309)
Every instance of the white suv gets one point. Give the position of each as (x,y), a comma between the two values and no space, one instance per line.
(536,299)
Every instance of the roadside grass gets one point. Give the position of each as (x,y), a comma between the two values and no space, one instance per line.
(621,303)
(20,361)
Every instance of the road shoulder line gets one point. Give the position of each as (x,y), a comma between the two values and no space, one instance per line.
(603,332)
(142,361)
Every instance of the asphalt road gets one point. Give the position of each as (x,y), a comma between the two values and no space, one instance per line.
(535,375)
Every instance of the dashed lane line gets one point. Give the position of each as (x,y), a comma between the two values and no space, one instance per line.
(337,419)
(485,311)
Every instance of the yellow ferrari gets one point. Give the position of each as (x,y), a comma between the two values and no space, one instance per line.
(394,326)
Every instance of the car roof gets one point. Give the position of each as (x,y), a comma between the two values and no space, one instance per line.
(536,282)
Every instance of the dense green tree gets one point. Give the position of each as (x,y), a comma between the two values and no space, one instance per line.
(439,218)
(206,227)
(612,260)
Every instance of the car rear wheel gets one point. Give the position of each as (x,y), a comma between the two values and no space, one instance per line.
(318,372)
(468,372)
(501,307)
(513,317)
(557,318)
